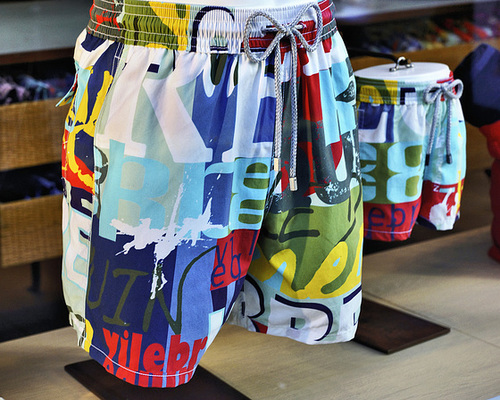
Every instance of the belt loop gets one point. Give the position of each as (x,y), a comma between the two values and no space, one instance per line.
(290,31)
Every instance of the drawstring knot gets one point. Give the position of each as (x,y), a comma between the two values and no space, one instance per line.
(433,94)
(290,31)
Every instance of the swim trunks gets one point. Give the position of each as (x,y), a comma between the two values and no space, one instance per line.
(203,175)
(412,149)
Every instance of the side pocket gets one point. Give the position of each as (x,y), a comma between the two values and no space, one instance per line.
(68,122)
(68,97)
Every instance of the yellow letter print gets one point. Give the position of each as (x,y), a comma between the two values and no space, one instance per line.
(330,269)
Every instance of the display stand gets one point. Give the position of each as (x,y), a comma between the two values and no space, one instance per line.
(406,71)
(389,330)
(203,385)
(380,327)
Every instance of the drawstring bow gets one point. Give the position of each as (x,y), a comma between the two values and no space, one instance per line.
(290,31)
(433,94)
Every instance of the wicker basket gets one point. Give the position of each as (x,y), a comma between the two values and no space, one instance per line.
(30,135)
(30,230)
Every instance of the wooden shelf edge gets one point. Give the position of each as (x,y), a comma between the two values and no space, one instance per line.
(424,9)
(37,56)
(451,56)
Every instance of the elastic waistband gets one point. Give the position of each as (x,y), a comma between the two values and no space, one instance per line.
(378,91)
(198,28)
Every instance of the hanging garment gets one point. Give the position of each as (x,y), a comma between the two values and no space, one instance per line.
(412,150)
(204,175)
(480,71)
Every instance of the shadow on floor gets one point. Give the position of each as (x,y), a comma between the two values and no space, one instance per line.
(26,309)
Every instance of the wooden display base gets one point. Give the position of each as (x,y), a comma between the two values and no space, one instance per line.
(203,385)
(389,330)
(380,327)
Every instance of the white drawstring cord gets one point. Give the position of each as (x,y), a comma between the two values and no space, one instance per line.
(291,31)
(432,94)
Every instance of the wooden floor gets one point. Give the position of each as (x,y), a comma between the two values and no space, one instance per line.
(450,281)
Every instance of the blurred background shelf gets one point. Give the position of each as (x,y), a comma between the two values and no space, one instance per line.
(355,12)
(32,31)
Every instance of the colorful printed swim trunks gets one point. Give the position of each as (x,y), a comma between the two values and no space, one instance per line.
(412,149)
(205,175)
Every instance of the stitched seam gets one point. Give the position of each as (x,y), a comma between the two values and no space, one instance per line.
(389,232)
(172,45)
